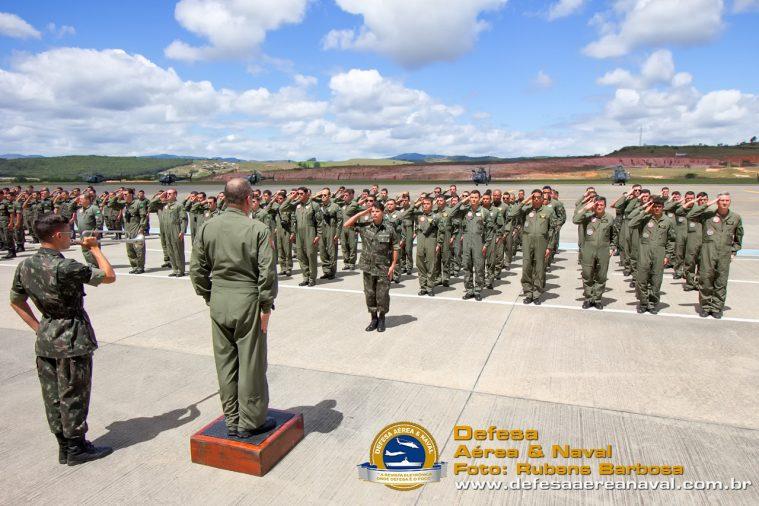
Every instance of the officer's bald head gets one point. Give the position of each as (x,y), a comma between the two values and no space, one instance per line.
(236,191)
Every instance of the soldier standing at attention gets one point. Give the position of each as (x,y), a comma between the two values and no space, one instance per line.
(7,224)
(561,216)
(307,234)
(348,240)
(156,205)
(477,232)
(135,216)
(722,233)
(395,218)
(599,234)
(429,239)
(539,225)
(232,267)
(497,222)
(173,223)
(19,235)
(89,221)
(407,263)
(332,227)
(282,230)
(379,256)
(65,338)
(657,246)
(681,232)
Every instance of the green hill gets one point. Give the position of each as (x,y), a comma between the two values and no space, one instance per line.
(692,151)
(75,168)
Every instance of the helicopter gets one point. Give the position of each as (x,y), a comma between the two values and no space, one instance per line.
(620,175)
(479,176)
(256,177)
(95,178)
(167,179)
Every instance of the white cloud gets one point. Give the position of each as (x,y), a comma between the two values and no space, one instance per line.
(234,29)
(61,31)
(745,5)
(413,33)
(71,100)
(15,27)
(543,80)
(564,8)
(655,22)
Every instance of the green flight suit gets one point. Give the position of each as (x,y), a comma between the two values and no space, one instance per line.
(429,235)
(722,238)
(494,255)
(232,267)
(396,221)
(378,242)
(173,222)
(65,339)
(134,218)
(308,225)
(561,218)
(692,256)
(599,234)
(407,253)
(681,235)
(283,221)
(156,205)
(477,231)
(510,230)
(348,237)
(538,227)
(657,242)
(332,226)
(88,221)
(444,262)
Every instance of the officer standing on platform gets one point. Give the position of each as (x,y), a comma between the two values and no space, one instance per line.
(232,267)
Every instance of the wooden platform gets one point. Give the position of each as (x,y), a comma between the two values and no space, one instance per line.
(256,455)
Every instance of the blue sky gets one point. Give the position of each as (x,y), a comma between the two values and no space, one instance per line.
(279,79)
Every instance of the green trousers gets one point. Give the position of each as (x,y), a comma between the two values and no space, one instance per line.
(473,264)
(66,384)
(595,269)
(307,253)
(135,251)
(679,260)
(534,265)
(328,250)
(691,259)
(408,248)
(425,261)
(239,350)
(175,250)
(349,244)
(713,272)
(284,250)
(649,274)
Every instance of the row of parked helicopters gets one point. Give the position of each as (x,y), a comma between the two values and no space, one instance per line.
(479,176)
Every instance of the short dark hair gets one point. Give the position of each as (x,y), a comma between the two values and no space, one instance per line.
(658,201)
(702,194)
(475,191)
(378,205)
(48,225)
(236,191)
(645,190)
(546,187)
(689,192)
(601,199)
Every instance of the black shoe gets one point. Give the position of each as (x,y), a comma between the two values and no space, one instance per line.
(166,264)
(288,273)
(632,284)
(537,301)
(446,283)
(431,293)
(599,305)
(372,324)
(311,282)
(422,292)
(703,313)
(9,256)
(303,283)
(528,300)
(324,276)
(717,315)
(232,432)
(139,270)
(653,310)
(688,288)
(468,296)
(489,286)
(268,425)
(640,309)
(131,271)
(625,273)
(346,268)
(381,323)
(498,276)
(677,276)
(586,304)
(80,451)
(180,274)
(477,297)
(63,450)
(173,275)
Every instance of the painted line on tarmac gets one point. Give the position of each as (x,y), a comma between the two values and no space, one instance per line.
(456,299)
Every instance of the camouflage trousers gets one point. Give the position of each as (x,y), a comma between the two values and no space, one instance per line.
(66,384)
(377,293)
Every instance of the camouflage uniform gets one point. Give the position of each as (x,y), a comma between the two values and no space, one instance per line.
(65,339)
(19,233)
(377,245)
(6,234)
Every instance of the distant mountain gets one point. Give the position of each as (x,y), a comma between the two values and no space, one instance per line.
(14,156)
(173,157)
(416,157)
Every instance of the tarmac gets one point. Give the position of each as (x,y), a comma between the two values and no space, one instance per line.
(670,389)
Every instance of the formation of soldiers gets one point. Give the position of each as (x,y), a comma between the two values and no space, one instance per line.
(443,233)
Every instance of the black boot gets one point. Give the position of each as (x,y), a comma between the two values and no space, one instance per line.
(80,451)
(381,323)
(63,450)
(373,324)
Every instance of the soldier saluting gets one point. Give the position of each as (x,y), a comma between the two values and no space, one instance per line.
(65,338)
(722,239)
(379,256)
(599,234)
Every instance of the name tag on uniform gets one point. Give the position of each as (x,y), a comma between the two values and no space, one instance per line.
(716,219)
(469,214)
(593,220)
(680,219)
(590,231)
(532,214)
(650,224)
(422,219)
(645,235)
(692,225)
(710,232)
